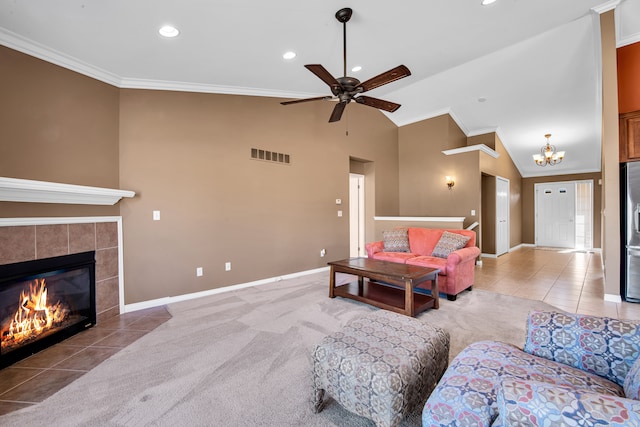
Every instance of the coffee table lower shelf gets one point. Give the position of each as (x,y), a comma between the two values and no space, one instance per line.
(383,296)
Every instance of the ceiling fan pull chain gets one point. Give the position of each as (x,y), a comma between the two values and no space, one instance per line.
(346,125)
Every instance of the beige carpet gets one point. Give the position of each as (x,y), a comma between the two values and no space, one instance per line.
(243,359)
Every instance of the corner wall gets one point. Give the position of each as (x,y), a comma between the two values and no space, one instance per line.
(423,169)
(188,155)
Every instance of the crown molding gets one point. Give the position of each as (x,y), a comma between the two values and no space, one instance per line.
(478,147)
(37,50)
(606,7)
(25,190)
(128,83)
(21,44)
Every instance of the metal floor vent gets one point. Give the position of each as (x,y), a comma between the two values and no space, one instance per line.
(270,156)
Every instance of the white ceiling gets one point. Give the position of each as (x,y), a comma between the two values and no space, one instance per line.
(536,63)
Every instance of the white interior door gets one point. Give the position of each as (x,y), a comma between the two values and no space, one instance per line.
(356,215)
(555,214)
(502,215)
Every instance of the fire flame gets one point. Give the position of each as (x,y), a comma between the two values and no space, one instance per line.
(33,316)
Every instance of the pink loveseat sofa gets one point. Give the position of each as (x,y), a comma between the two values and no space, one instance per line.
(456,270)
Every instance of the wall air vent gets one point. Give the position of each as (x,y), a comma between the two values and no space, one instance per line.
(270,156)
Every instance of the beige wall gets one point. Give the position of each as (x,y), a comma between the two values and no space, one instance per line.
(56,125)
(188,155)
(423,191)
(503,167)
(528,203)
(610,158)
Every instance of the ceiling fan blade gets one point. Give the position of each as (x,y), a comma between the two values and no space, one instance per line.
(387,77)
(324,75)
(296,101)
(380,104)
(337,111)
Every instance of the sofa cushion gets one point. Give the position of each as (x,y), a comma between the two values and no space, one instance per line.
(400,257)
(600,345)
(430,262)
(531,403)
(396,240)
(466,393)
(448,243)
(632,382)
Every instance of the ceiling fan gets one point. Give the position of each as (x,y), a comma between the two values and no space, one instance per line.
(346,89)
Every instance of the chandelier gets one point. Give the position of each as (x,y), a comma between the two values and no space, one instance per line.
(548,154)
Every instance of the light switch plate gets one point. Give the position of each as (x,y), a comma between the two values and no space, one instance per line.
(156,215)
(339,213)
(338,201)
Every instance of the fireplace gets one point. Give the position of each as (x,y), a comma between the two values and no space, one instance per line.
(43,302)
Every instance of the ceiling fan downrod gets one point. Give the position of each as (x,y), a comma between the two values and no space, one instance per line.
(344,15)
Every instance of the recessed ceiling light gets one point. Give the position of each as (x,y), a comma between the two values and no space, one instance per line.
(356,68)
(289,55)
(169,31)
(486,2)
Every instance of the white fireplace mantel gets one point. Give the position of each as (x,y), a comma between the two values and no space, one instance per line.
(25,190)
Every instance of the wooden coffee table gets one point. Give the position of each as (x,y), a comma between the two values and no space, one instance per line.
(378,290)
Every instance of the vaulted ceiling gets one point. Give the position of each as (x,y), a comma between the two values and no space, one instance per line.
(519,68)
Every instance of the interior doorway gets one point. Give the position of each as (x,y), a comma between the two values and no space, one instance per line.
(502,215)
(564,214)
(356,215)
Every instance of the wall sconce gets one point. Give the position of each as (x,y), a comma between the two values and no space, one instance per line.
(450,182)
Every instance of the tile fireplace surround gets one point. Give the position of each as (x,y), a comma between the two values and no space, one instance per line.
(25,239)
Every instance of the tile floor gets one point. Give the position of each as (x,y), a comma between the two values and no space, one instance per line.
(572,281)
(33,379)
(568,280)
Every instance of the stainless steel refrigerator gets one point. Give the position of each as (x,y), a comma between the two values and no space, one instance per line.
(630,210)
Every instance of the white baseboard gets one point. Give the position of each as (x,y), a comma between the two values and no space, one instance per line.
(613,298)
(168,300)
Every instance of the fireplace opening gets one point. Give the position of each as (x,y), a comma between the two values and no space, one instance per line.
(43,302)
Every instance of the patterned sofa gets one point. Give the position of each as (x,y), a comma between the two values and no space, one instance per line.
(453,252)
(575,370)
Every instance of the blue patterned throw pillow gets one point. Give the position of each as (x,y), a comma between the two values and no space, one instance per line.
(600,345)
(448,243)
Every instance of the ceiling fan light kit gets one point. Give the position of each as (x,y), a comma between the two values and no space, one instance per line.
(346,89)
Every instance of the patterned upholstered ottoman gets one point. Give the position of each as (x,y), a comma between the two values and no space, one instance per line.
(380,365)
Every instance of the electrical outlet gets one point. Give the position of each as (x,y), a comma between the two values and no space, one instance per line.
(323,252)
(227,266)
(199,271)
(339,213)
(156,215)
(473,212)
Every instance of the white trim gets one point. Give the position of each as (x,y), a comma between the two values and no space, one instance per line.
(620,40)
(168,300)
(17,222)
(40,51)
(129,83)
(26,190)
(478,147)
(483,255)
(420,218)
(605,7)
(613,298)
